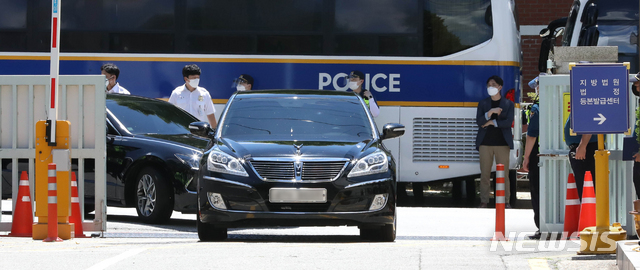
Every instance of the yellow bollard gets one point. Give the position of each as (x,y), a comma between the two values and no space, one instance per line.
(602,238)
(44,156)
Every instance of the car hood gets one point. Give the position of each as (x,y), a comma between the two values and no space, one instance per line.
(182,139)
(315,149)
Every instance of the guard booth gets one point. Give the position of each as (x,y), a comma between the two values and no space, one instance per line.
(23,102)
(554,161)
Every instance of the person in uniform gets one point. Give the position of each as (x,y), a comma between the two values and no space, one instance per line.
(494,117)
(192,98)
(582,150)
(243,83)
(356,79)
(111,72)
(531,159)
(636,156)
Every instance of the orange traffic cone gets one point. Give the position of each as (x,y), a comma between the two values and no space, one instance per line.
(76,216)
(588,207)
(22,223)
(571,207)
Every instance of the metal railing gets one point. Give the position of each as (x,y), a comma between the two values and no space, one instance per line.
(23,102)
(555,167)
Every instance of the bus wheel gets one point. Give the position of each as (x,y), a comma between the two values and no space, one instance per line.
(470,185)
(418,190)
(402,191)
(464,191)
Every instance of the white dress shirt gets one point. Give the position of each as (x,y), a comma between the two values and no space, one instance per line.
(117,89)
(198,103)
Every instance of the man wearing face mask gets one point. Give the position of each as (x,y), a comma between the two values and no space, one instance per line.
(192,98)
(243,83)
(111,72)
(356,79)
(494,118)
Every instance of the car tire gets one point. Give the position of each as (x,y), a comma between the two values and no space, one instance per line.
(367,233)
(154,197)
(209,233)
(384,233)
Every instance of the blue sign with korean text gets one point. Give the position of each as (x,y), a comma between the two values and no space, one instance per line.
(600,98)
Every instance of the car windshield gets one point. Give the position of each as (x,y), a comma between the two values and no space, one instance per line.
(296,118)
(140,116)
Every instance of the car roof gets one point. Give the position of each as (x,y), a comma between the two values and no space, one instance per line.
(130,97)
(296,92)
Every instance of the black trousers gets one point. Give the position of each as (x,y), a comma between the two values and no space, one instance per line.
(534,183)
(579,167)
(636,177)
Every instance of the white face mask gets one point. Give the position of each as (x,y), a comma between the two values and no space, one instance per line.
(194,83)
(353,85)
(106,83)
(492,90)
(240,88)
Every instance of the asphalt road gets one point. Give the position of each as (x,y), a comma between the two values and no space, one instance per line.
(428,238)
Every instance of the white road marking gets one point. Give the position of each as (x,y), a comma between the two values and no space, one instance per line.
(111,261)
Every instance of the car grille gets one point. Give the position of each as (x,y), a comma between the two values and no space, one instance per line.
(318,171)
(275,170)
(310,171)
(445,139)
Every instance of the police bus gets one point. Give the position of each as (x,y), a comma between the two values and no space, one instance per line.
(601,23)
(426,61)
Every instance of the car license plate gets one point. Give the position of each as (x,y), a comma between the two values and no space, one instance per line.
(298,195)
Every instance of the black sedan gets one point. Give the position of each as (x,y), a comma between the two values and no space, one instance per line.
(297,158)
(152,159)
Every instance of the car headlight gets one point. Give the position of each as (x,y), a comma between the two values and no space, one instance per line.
(373,163)
(192,161)
(224,163)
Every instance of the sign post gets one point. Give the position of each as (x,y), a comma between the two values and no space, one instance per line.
(53,144)
(55,63)
(600,105)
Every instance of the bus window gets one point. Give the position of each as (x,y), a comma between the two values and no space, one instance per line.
(571,23)
(13,15)
(254,15)
(387,16)
(619,35)
(451,26)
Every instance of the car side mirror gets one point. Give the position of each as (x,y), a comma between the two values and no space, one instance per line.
(201,129)
(392,130)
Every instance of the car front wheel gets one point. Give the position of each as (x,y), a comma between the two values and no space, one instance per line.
(154,197)
(207,232)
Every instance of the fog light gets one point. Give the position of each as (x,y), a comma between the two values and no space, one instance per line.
(379,201)
(215,199)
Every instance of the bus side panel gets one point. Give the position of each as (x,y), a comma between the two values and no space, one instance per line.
(438,136)
(156,77)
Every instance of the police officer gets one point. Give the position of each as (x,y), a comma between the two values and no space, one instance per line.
(356,79)
(244,82)
(531,159)
(192,98)
(582,150)
(111,72)
(636,162)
